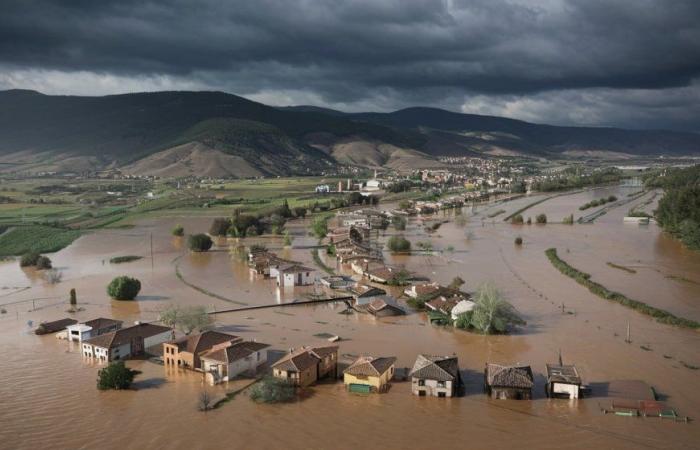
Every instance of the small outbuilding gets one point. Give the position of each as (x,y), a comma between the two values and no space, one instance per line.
(563,381)
(508,382)
(55,326)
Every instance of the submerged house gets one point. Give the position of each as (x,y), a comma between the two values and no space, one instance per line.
(419,290)
(185,352)
(435,376)
(225,361)
(337,282)
(307,365)
(368,374)
(384,306)
(563,381)
(294,275)
(55,326)
(363,294)
(508,382)
(126,342)
(95,327)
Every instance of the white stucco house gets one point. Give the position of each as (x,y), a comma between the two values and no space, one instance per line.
(294,275)
(228,360)
(95,327)
(126,342)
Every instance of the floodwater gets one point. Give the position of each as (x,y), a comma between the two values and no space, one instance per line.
(48,394)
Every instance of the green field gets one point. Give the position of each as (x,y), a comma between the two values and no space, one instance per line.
(38,238)
(46,214)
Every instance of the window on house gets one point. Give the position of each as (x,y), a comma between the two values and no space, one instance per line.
(441,384)
(421,382)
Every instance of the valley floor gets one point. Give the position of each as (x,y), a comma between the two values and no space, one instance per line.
(48,391)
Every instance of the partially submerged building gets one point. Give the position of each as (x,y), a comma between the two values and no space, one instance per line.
(384,306)
(295,275)
(225,361)
(306,365)
(95,327)
(363,294)
(368,374)
(435,376)
(185,352)
(54,326)
(126,342)
(563,381)
(508,382)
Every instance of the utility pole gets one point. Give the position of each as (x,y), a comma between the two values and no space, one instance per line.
(628,340)
(151,251)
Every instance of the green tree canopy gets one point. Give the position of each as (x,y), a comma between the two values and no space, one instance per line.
(199,242)
(115,376)
(124,288)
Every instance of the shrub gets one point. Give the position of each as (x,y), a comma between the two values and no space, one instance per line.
(251,231)
(541,218)
(205,401)
(399,223)
(43,263)
(456,283)
(518,241)
(320,227)
(115,376)
(517,219)
(73,297)
(287,239)
(29,259)
(124,288)
(124,259)
(612,198)
(219,226)
(400,278)
(300,212)
(529,220)
(568,220)
(178,230)
(398,244)
(53,276)
(272,390)
(199,242)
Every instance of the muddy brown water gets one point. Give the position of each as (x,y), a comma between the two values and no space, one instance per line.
(48,393)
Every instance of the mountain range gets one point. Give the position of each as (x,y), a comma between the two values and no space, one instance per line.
(216,134)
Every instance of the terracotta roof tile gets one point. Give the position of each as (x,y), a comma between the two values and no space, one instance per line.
(369,366)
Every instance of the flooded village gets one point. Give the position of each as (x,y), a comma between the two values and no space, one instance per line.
(338,318)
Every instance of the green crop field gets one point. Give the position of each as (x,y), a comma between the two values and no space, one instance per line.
(23,239)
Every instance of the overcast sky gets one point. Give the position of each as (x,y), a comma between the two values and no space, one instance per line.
(630,63)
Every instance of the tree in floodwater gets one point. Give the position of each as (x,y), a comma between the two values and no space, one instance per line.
(115,376)
(492,313)
(186,318)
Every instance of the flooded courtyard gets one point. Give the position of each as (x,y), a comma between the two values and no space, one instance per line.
(48,392)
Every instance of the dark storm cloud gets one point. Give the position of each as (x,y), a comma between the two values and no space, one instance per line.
(353,53)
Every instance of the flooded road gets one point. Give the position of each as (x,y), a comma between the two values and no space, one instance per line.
(48,392)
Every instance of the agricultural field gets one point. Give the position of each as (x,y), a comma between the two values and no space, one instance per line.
(38,238)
